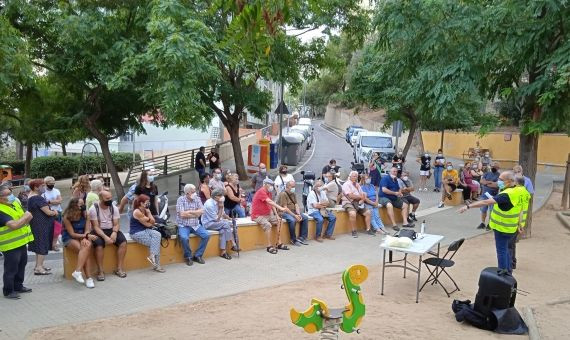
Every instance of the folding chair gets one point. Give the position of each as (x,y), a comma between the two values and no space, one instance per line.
(440,264)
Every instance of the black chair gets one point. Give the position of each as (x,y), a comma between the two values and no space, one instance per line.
(440,264)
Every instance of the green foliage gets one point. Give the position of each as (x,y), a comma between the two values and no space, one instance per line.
(65,167)
(18,167)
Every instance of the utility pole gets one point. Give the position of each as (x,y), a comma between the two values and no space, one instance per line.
(281,104)
(133,139)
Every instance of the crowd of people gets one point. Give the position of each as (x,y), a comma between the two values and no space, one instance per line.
(34,220)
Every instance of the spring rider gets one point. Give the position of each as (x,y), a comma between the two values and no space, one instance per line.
(328,321)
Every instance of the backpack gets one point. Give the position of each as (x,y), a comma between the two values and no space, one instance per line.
(464,312)
(97,210)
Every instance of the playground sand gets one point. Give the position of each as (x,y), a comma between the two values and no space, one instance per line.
(264,314)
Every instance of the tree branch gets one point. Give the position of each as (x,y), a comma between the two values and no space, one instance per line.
(306,31)
(13,116)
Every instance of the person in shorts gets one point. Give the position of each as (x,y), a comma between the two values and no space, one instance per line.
(390,196)
(353,201)
(407,187)
(263,212)
(425,168)
(104,217)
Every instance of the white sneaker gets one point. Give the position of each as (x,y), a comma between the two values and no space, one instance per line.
(78,277)
(150,259)
(89,283)
(425,189)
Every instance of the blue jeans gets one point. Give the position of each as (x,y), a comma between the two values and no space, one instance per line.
(503,254)
(184,235)
(320,220)
(292,222)
(437,171)
(201,171)
(375,219)
(238,210)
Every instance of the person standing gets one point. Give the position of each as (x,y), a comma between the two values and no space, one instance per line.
(522,182)
(317,203)
(42,225)
(506,216)
(257,179)
(518,170)
(189,208)
(438,170)
(292,214)
(15,234)
(282,179)
(331,166)
(200,161)
(53,198)
(398,162)
(486,161)
(489,186)
(375,169)
(213,159)
(147,187)
(425,168)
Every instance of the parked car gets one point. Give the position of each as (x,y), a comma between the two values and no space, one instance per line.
(306,131)
(354,136)
(369,141)
(305,121)
(349,132)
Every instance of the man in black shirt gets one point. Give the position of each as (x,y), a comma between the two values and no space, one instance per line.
(200,164)
(214,159)
(331,166)
(398,162)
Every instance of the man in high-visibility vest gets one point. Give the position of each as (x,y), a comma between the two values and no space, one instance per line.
(525,190)
(15,234)
(506,216)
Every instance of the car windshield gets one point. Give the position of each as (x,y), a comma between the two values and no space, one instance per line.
(376,142)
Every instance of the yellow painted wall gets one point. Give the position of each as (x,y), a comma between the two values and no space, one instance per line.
(553,149)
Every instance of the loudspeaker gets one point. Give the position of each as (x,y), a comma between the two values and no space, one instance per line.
(495,291)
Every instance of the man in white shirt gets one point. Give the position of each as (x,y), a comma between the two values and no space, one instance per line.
(317,203)
(53,198)
(353,202)
(282,179)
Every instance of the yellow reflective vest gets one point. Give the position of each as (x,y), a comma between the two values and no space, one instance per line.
(508,221)
(526,197)
(14,238)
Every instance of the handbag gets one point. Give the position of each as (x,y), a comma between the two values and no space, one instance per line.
(57,227)
(409,233)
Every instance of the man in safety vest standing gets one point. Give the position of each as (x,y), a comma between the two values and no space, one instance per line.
(15,234)
(506,217)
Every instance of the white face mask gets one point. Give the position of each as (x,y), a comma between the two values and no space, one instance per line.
(449,168)
(393,176)
(426,155)
(270,189)
(218,176)
(405,178)
(222,199)
(194,196)
(292,190)
(367,181)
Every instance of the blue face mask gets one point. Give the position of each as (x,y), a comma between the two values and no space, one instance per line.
(11,198)
(501,184)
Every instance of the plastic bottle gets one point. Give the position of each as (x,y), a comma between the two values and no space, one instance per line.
(423,227)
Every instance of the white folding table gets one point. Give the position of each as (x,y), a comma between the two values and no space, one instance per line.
(419,247)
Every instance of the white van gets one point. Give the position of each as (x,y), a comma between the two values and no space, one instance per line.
(369,142)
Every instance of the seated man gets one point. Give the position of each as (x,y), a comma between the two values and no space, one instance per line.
(450,180)
(214,218)
(263,212)
(292,214)
(317,203)
(353,202)
(332,188)
(189,208)
(406,186)
(391,197)
(104,217)
(371,203)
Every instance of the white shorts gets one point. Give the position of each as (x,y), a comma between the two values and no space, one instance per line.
(424,172)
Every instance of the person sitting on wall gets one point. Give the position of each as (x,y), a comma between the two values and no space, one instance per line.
(189,208)
(292,214)
(391,197)
(264,213)
(214,218)
(353,202)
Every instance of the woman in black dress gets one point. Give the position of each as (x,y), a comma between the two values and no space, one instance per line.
(42,225)
(146,186)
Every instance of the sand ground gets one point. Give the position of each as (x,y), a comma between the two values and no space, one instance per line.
(543,270)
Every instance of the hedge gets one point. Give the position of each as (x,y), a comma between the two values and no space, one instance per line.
(18,167)
(65,167)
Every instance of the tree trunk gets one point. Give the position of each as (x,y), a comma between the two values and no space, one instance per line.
(528,152)
(441,142)
(29,155)
(413,126)
(19,151)
(63,149)
(233,130)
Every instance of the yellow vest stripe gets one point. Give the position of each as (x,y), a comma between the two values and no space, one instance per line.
(508,225)
(17,238)
(499,213)
(14,238)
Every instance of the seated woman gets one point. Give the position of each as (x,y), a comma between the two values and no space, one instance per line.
(141,230)
(468,180)
(204,186)
(233,200)
(77,237)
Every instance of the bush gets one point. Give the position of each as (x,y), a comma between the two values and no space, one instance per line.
(65,167)
(18,167)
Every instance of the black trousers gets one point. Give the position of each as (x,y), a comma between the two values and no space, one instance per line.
(513,250)
(15,261)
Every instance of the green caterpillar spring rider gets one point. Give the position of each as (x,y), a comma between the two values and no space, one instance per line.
(328,321)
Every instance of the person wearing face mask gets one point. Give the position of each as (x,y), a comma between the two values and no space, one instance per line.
(200,161)
(42,225)
(282,179)
(375,169)
(15,234)
(331,166)
(391,197)
(450,179)
(292,214)
(257,179)
(486,160)
(189,208)
(264,213)
(425,168)
(214,218)
(141,231)
(77,237)
(104,217)
(332,188)
(216,182)
(353,202)
(205,192)
(93,195)
(23,196)
(506,218)
(317,204)
(489,186)
(53,198)
(398,161)
(407,187)
(438,169)
(371,203)
(213,158)
(233,200)
(146,186)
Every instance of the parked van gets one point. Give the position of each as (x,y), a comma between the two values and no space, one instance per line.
(369,142)
(354,136)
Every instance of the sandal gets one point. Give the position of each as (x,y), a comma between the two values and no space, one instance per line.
(226,256)
(236,249)
(158,269)
(100,277)
(271,250)
(282,246)
(39,272)
(120,273)
(47,269)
